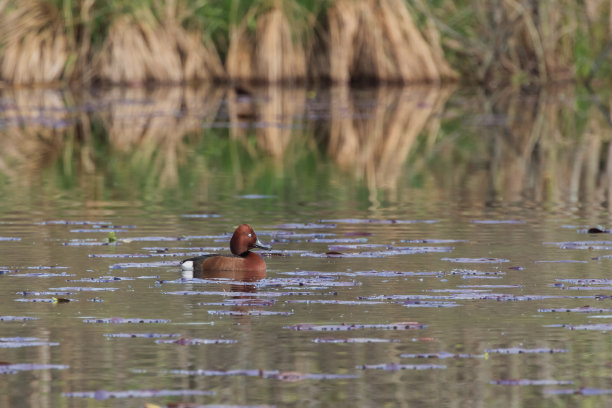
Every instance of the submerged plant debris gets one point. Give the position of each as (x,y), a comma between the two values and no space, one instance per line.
(101,395)
(348,327)
(579,391)
(248,313)
(442,355)
(18,342)
(477,260)
(16,368)
(142,335)
(120,320)
(186,341)
(289,376)
(335,340)
(583,309)
(398,367)
(520,350)
(17,318)
(522,381)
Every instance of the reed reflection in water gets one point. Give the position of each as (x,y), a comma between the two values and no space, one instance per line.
(551,147)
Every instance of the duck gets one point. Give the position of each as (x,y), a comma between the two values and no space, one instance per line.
(242,260)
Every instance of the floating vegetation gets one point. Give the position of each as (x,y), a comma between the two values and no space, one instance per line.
(41,275)
(520,350)
(186,341)
(418,303)
(45,300)
(348,327)
(248,313)
(320,281)
(379,254)
(398,367)
(374,221)
(17,318)
(18,342)
(442,355)
(86,242)
(335,340)
(500,297)
(48,293)
(476,260)
(522,381)
(16,368)
(235,293)
(154,239)
(586,281)
(337,240)
(304,226)
(580,391)
(291,236)
(10,239)
(273,374)
(101,395)
(83,289)
(381,274)
(490,222)
(291,376)
(471,272)
(432,241)
(587,288)
(159,264)
(228,373)
(102,279)
(120,320)
(240,302)
(336,302)
(120,255)
(583,309)
(105,230)
(596,327)
(142,335)
(459,290)
(73,222)
(590,245)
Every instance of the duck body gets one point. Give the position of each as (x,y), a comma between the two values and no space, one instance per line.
(214,262)
(242,259)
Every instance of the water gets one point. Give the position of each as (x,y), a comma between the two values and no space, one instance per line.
(453,211)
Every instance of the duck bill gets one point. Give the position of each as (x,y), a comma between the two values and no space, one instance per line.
(259,244)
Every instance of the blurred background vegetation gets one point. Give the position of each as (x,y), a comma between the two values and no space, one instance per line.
(492,43)
(225,126)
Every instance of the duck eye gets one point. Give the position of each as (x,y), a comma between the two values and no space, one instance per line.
(250,235)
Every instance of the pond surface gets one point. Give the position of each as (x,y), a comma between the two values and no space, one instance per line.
(430,247)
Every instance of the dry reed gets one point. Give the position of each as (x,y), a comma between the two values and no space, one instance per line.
(34,45)
(378,41)
(140,50)
(271,54)
(520,41)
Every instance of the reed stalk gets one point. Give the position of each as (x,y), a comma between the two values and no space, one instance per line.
(378,41)
(35,47)
(275,50)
